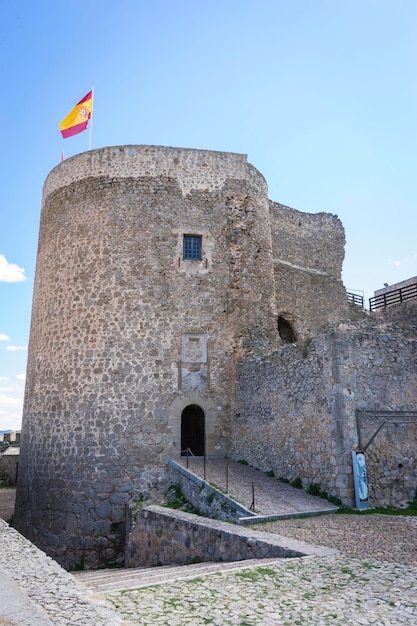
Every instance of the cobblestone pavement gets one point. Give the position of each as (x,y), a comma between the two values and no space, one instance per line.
(272,497)
(382,537)
(36,591)
(372,581)
(310,591)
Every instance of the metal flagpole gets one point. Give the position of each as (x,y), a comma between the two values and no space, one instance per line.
(91,118)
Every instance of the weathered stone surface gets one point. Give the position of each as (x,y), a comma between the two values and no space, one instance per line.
(127,335)
(113,300)
(300,414)
(161,536)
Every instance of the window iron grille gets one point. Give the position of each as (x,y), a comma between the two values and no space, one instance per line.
(192,247)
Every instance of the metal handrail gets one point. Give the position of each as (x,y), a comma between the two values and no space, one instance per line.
(355,299)
(393,297)
(188,453)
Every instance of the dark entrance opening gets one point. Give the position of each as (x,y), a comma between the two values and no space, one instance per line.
(192,431)
(286,331)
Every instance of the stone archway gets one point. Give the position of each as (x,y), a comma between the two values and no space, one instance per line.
(193,430)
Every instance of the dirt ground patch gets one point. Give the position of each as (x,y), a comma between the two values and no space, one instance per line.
(7,498)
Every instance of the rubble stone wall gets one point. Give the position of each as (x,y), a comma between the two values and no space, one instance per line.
(403,315)
(308,258)
(296,413)
(126,333)
(161,536)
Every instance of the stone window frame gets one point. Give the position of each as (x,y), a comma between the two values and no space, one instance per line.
(191,251)
(194,266)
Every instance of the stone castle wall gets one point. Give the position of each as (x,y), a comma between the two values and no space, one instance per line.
(308,258)
(296,412)
(283,416)
(404,315)
(126,333)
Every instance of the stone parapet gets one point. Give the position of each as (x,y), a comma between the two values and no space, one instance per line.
(206,498)
(161,536)
(193,169)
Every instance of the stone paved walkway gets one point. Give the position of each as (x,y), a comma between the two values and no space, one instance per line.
(372,580)
(272,497)
(36,591)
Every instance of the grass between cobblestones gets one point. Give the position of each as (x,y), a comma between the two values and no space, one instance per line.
(305,592)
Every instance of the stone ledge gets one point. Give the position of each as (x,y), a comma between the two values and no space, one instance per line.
(221,505)
(164,536)
(36,590)
(193,169)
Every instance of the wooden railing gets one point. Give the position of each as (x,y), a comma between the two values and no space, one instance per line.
(355,299)
(393,297)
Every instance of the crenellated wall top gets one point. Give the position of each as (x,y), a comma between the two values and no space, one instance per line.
(193,169)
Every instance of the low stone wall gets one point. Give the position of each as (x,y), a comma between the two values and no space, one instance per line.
(9,461)
(206,498)
(404,314)
(161,536)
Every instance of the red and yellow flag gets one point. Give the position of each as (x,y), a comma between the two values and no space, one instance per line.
(77,119)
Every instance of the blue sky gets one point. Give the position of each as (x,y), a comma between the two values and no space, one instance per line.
(320,94)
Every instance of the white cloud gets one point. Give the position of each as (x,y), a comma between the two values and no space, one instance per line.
(10,412)
(16,348)
(4,379)
(4,337)
(21,376)
(10,272)
(395,262)
(9,402)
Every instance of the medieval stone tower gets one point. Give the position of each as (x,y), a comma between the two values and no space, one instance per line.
(158,271)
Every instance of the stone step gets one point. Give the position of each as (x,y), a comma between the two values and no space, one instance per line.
(121,579)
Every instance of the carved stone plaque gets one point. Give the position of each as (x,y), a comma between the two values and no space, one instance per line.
(194,348)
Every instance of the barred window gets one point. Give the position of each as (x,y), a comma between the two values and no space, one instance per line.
(192,247)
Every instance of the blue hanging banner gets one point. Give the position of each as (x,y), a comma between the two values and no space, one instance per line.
(359,478)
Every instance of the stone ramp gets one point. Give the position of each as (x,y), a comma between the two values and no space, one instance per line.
(273,499)
(109,580)
(16,606)
(36,591)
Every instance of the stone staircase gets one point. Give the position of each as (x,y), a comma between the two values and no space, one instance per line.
(100,582)
(273,500)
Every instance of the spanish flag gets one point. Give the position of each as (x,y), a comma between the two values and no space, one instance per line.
(77,119)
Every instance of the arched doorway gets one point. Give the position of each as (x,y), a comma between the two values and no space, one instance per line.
(192,430)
